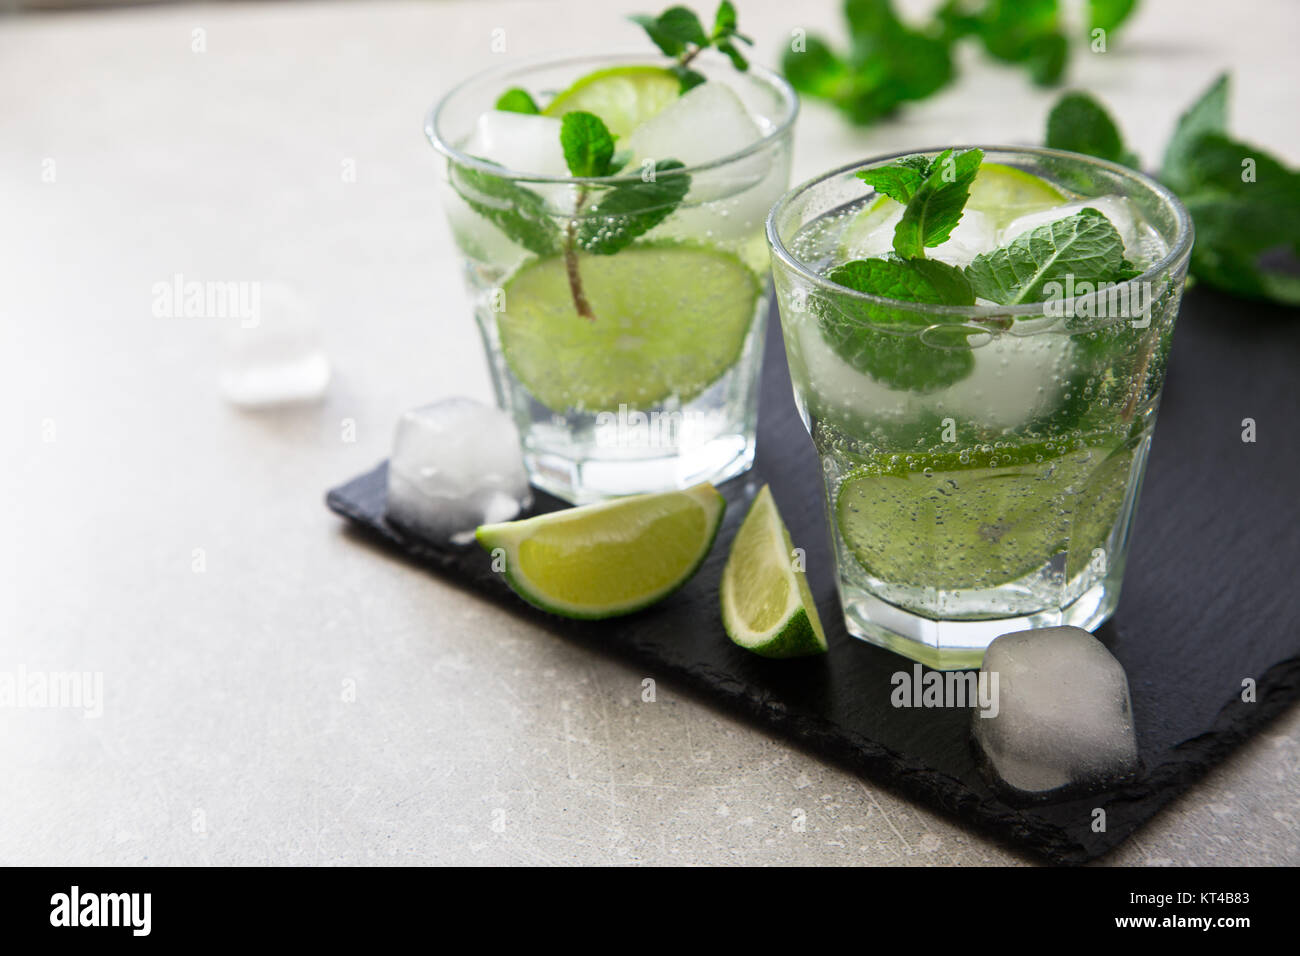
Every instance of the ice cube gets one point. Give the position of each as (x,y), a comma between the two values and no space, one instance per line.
(973,235)
(704,124)
(456,464)
(1063,723)
(1114,208)
(870,233)
(520,142)
(274,352)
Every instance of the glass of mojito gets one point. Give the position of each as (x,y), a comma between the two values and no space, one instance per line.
(610,211)
(977,340)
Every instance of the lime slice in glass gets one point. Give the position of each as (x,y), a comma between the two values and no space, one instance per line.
(941,523)
(623,96)
(871,232)
(609,558)
(669,320)
(766,605)
(1005,193)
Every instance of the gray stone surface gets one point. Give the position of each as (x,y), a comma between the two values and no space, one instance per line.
(279,691)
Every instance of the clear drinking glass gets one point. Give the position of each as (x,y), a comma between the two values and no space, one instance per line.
(642,375)
(981,464)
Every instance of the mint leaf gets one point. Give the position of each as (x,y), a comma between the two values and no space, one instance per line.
(1080,124)
(680,34)
(735,56)
(518,212)
(897,357)
(912,280)
(899,180)
(1209,114)
(935,207)
(517,100)
(688,78)
(816,70)
(724,21)
(588,145)
(1108,14)
(628,210)
(1048,58)
(682,24)
(1085,246)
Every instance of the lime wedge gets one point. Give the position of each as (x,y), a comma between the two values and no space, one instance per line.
(669,320)
(609,558)
(623,96)
(941,523)
(1005,193)
(766,605)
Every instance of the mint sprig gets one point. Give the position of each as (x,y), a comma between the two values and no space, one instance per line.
(935,206)
(1086,246)
(518,212)
(680,34)
(621,212)
(517,100)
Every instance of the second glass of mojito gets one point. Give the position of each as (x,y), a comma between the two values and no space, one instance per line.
(977,340)
(622,310)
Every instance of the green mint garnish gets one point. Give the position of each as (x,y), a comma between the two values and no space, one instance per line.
(912,280)
(620,212)
(1080,124)
(623,212)
(898,180)
(1085,246)
(680,34)
(935,206)
(588,144)
(1209,114)
(518,212)
(1108,14)
(517,100)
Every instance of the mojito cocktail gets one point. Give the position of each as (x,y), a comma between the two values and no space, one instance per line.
(610,211)
(977,341)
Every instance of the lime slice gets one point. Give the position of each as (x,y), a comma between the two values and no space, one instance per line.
(609,558)
(623,96)
(1005,193)
(766,605)
(669,320)
(937,522)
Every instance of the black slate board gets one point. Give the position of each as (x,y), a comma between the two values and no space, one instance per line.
(1209,598)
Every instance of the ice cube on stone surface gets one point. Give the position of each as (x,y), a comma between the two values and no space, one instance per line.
(1064,722)
(275,355)
(1114,208)
(456,464)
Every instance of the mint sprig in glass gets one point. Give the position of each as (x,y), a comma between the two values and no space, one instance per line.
(610,210)
(977,339)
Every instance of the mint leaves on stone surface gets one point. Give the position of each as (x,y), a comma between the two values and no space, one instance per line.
(1245,203)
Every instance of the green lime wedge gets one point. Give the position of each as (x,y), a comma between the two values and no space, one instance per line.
(767,607)
(1005,193)
(609,558)
(940,522)
(623,96)
(669,320)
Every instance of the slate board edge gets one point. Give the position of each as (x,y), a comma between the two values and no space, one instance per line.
(1277,688)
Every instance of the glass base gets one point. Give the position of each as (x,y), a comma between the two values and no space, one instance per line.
(581,481)
(960,645)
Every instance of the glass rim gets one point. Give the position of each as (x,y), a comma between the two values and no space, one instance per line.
(1179,248)
(790,110)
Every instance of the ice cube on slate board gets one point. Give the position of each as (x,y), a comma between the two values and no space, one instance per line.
(456,464)
(1063,722)
(275,354)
